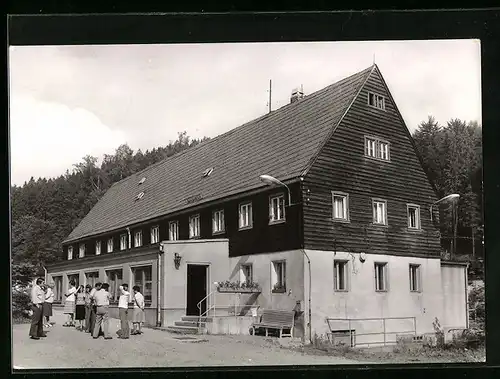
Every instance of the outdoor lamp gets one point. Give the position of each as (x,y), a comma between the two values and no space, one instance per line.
(448,197)
(270,180)
(177,260)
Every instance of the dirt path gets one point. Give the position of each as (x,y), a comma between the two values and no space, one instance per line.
(69,348)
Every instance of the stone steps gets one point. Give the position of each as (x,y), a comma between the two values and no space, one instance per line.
(182,329)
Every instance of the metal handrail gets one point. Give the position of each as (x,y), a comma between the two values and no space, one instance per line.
(212,306)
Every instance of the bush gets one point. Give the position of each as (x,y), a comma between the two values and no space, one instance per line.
(21,304)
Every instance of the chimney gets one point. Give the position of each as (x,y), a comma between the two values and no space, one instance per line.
(297,94)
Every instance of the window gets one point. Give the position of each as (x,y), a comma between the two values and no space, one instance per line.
(155,234)
(278,276)
(123,242)
(114,280)
(142,278)
(377,101)
(92,278)
(376,148)
(70,253)
(110,245)
(246,273)
(413,216)
(245,216)
(218,222)
(98,248)
(75,277)
(414,278)
(340,275)
(81,251)
(380,276)
(173,230)
(276,208)
(194,226)
(379,212)
(340,206)
(138,238)
(58,291)
(139,196)
(142,180)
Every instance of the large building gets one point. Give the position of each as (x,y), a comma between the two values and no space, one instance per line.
(347,236)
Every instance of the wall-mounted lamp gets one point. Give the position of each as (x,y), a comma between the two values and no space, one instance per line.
(177,260)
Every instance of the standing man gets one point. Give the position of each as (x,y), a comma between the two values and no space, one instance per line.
(93,307)
(124,332)
(37,300)
(47,305)
(102,312)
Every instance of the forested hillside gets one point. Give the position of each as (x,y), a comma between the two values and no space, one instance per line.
(44,211)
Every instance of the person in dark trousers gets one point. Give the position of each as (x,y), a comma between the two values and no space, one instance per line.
(37,300)
(123,301)
(93,307)
(88,288)
(102,314)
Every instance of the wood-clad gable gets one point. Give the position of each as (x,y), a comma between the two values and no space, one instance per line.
(342,166)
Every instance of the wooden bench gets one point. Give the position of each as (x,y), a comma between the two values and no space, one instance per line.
(276,319)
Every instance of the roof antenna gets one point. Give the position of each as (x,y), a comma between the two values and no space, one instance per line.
(270,89)
(373,58)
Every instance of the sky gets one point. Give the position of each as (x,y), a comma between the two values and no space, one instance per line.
(67,102)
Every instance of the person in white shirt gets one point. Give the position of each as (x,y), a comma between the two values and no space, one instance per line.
(123,301)
(47,305)
(138,316)
(37,300)
(69,304)
(101,299)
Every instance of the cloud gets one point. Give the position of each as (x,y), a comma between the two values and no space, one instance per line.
(48,138)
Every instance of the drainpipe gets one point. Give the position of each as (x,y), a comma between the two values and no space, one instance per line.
(466,298)
(129,238)
(45,271)
(309,324)
(158,289)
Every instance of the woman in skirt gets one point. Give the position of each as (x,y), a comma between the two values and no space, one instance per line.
(80,307)
(69,304)
(47,305)
(138,316)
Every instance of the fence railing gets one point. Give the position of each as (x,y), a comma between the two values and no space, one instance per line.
(351,322)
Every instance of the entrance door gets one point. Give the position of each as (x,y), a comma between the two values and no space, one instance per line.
(196,289)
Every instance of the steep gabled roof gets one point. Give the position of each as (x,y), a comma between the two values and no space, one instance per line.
(282,143)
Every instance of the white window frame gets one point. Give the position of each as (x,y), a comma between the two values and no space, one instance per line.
(97,247)
(378,101)
(70,253)
(143,280)
(81,250)
(415,277)
(246,273)
(340,285)
(173,231)
(374,148)
(345,198)
(375,212)
(194,226)
(245,216)
(218,222)
(418,225)
(109,245)
(138,238)
(123,242)
(155,234)
(385,276)
(278,278)
(280,216)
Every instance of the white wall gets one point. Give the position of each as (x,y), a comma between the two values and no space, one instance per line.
(454,287)
(362,301)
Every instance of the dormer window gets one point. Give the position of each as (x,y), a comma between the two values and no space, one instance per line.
(376,101)
(377,148)
(207,172)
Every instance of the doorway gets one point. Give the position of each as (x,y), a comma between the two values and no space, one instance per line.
(196,284)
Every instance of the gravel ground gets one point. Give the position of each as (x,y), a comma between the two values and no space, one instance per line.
(69,348)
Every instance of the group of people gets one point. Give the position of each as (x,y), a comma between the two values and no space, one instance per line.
(89,306)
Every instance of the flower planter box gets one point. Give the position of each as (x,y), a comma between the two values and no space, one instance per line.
(239,290)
